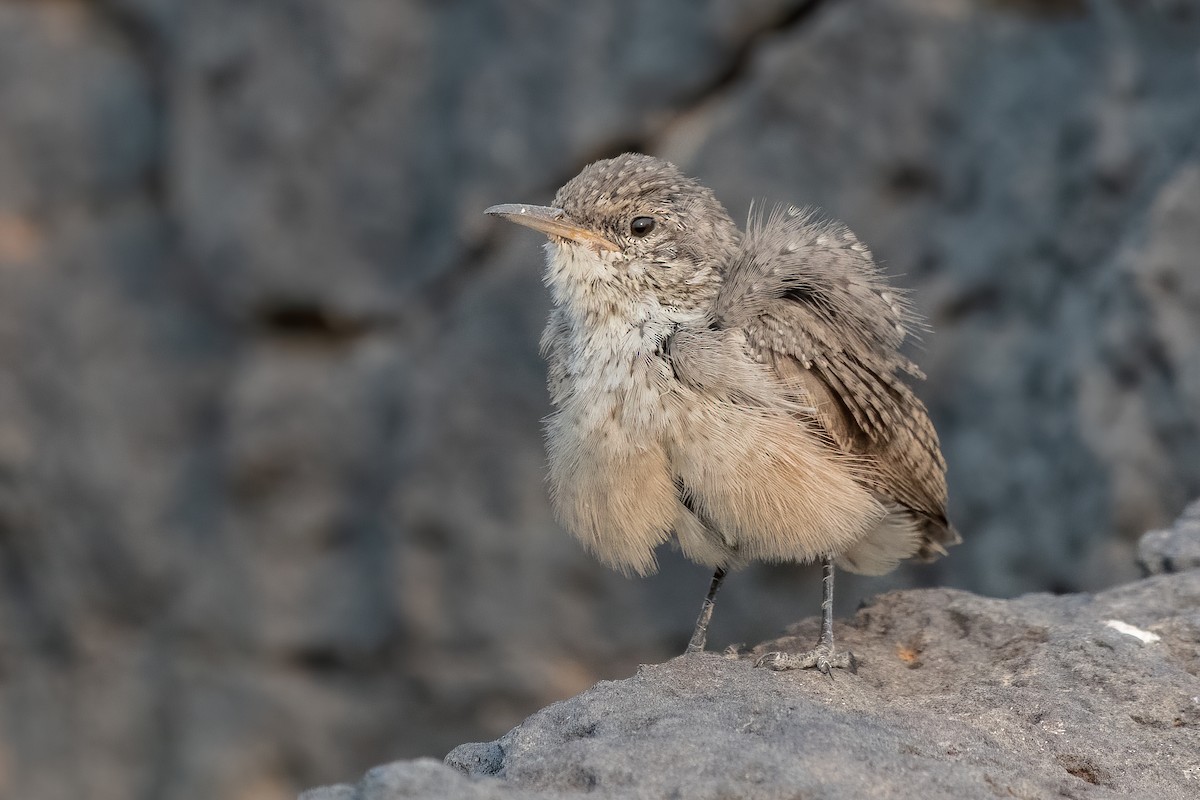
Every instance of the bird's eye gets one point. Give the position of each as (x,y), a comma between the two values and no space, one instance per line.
(641,226)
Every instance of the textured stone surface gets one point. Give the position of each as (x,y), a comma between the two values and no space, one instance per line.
(1173,549)
(1085,696)
(271,483)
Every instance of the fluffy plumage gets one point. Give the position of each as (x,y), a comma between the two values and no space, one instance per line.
(743,393)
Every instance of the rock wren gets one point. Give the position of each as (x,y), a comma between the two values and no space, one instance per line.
(741,393)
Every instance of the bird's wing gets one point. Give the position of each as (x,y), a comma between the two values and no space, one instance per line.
(811,303)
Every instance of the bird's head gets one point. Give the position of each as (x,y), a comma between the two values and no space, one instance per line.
(632,230)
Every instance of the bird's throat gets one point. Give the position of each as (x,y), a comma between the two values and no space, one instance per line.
(586,282)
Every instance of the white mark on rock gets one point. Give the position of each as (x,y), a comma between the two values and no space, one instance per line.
(1145,637)
(1054,726)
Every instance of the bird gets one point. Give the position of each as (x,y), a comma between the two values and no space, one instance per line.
(740,394)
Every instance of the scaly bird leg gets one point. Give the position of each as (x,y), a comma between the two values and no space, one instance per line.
(822,656)
(700,634)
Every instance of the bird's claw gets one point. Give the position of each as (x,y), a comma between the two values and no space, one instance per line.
(822,658)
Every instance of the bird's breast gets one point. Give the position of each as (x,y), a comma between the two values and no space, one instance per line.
(610,477)
(619,378)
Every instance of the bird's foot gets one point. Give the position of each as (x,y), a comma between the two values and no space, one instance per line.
(823,658)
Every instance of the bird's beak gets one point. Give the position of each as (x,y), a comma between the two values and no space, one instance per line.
(552,222)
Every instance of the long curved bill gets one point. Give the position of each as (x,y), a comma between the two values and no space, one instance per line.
(550,221)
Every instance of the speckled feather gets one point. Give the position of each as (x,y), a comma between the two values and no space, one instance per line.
(741,393)
(815,306)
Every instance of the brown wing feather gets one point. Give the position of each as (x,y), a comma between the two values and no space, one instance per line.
(813,305)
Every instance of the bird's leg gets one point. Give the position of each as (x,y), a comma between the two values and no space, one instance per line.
(700,634)
(822,656)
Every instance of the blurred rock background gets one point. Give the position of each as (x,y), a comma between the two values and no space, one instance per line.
(271,498)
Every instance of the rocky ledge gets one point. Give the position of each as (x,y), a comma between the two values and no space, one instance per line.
(956,696)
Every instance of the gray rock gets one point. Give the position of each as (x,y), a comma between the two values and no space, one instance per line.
(1085,696)
(422,778)
(1175,549)
(477,758)
(342,791)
